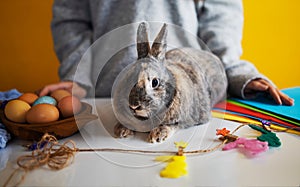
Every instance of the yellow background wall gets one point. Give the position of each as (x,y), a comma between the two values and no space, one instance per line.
(271,41)
(272,38)
(27,58)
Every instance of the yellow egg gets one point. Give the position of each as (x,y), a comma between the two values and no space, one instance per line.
(15,110)
(42,113)
(59,94)
(28,97)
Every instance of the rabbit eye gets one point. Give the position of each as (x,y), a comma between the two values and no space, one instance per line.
(155,83)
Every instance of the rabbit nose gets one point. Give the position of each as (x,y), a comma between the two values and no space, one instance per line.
(135,107)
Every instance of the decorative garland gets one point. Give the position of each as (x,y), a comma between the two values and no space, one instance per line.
(57,156)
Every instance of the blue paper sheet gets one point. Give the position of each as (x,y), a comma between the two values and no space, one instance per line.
(268,104)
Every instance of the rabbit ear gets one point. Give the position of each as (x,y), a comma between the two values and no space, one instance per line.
(159,45)
(143,47)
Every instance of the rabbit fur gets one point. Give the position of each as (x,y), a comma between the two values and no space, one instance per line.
(166,90)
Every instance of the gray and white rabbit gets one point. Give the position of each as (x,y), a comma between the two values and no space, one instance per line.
(163,91)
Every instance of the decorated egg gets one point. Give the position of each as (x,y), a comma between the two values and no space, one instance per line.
(45,100)
(69,105)
(28,97)
(15,110)
(59,94)
(42,113)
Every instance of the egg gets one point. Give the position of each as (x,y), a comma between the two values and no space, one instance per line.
(69,105)
(42,113)
(15,110)
(45,100)
(28,97)
(59,94)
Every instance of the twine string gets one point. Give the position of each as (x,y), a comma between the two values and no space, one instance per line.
(53,154)
(58,156)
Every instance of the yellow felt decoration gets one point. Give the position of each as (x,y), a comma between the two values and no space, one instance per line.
(176,166)
(166,158)
(181,144)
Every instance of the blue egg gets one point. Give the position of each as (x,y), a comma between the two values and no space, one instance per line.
(45,99)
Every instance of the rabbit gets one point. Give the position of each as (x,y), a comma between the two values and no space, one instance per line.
(163,91)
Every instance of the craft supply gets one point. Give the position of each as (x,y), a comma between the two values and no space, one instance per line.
(54,155)
(223,132)
(225,135)
(228,107)
(266,112)
(58,156)
(268,105)
(176,165)
(251,147)
(267,136)
(35,145)
(285,125)
(241,119)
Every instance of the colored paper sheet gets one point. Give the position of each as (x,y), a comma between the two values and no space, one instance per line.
(268,105)
(227,106)
(227,116)
(293,127)
(289,120)
(232,117)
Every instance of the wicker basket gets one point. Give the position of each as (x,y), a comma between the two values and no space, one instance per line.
(60,129)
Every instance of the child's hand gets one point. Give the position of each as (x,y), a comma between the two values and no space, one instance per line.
(68,85)
(259,85)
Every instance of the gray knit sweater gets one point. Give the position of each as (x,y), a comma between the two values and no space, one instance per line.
(109,26)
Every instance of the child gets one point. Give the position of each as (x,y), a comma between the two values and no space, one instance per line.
(77,24)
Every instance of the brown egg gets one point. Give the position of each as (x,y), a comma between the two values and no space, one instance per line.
(15,110)
(69,105)
(42,113)
(28,97)
(59,94)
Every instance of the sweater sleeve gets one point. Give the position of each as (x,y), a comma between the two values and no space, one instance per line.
(72,35)
(221,27)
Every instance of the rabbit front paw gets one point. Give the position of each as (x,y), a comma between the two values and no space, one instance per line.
(160,133)
(122,132)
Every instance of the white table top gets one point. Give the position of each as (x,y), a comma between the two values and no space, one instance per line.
(276,167)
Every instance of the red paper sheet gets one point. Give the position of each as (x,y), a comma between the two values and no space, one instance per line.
(238,109)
